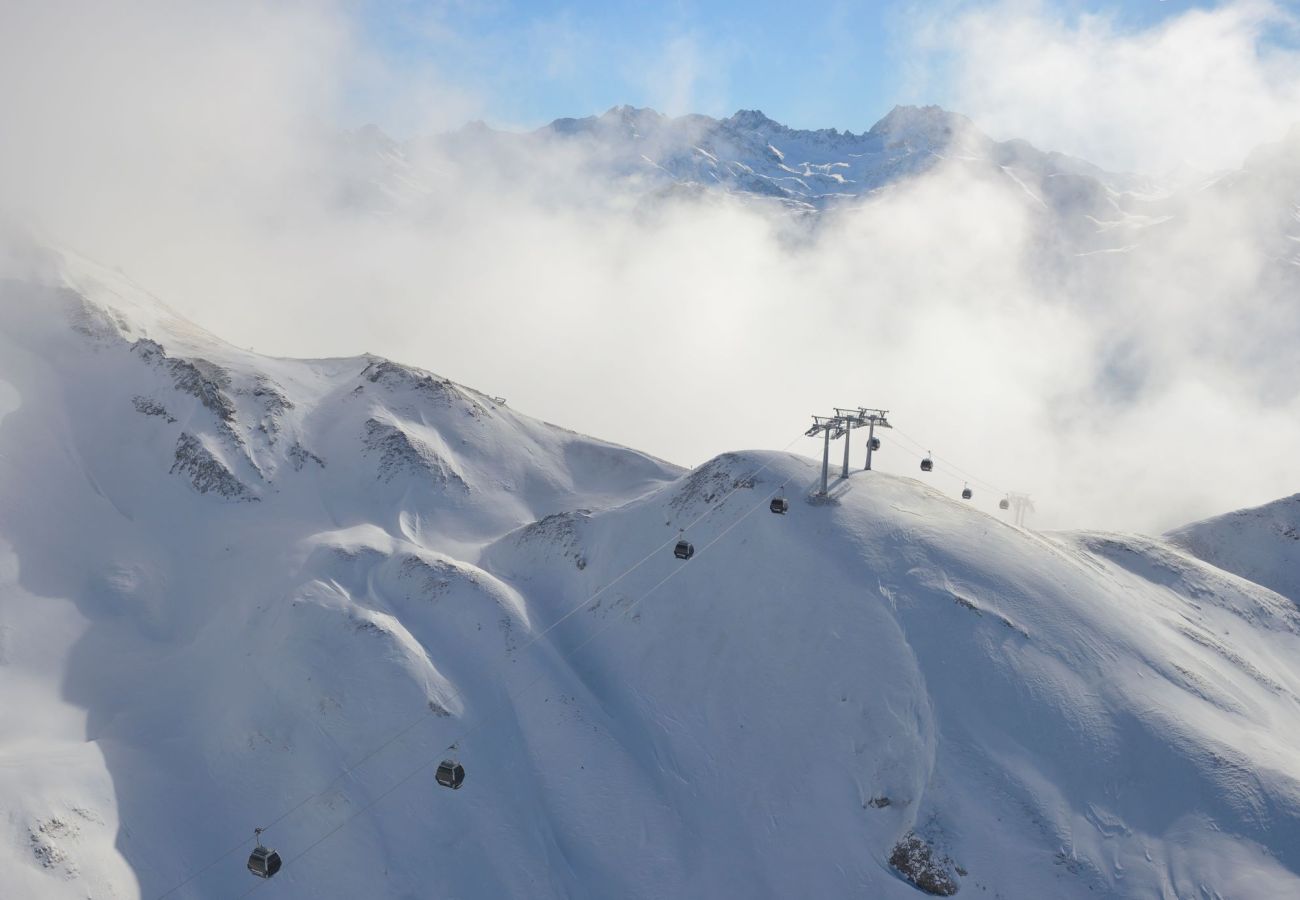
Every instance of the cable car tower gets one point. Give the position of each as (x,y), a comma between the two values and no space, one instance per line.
(841,425)
(850,419)
(832,428)
(1020,505)
(873,419)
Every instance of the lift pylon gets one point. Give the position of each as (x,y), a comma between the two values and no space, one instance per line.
(831,428)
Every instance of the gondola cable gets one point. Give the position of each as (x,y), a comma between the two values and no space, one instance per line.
(740,483)
(949,464)
(511,694)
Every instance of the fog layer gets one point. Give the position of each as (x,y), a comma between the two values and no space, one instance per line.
(200,149)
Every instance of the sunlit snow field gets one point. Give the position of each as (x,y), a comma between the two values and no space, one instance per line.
(240,591)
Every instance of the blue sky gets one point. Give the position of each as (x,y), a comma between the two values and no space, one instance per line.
(838,64)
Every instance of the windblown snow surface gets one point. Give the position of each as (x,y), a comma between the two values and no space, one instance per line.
(1261,544)
(240,591)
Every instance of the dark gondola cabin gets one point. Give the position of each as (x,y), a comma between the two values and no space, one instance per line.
(966,493)
(875,443)
(684,550)
(451,774)
(263,862)
(927,464)
(780,505)
(1004,503)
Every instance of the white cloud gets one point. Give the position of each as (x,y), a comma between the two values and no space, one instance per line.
(686,74)
(1202,87)
(184,143)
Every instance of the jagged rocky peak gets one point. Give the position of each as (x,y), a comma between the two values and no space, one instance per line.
(397,377)
(922,126)
(635,116)
(628,120)
(753,120)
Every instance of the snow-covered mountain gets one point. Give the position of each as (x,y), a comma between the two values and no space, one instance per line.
(626,152)
(240,591)
(750,153)
(757,159)
(1261,544)
(639,153)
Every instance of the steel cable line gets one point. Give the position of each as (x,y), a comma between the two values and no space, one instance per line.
(421,718)
(948,462)
(513,694)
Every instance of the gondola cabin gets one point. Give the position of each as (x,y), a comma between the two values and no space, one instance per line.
(875,443)
(451,774)
(263,861)
(966,493)
(684,550)
(927,465)
(780,505)
(1004,503)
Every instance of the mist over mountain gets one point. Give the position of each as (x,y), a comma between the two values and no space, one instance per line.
(750,154)
(429,509)
(1132,307)
(753,157)
(1053,325)
(239,590)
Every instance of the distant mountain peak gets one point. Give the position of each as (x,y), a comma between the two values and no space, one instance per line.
(625,118)
(632,115)
(476,126)
(927,124)
(753,120)
(752,155)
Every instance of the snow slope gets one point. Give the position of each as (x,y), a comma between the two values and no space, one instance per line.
(237,590)
(1260,544)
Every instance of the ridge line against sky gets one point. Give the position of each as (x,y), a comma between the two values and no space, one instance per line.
(521,65)
(198,148)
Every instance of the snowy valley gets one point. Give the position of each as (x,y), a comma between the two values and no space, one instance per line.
(242,591)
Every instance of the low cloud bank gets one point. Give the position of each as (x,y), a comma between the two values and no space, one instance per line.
(1133,389)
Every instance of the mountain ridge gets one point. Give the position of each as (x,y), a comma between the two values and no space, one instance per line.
(881,691)
(1260,544)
